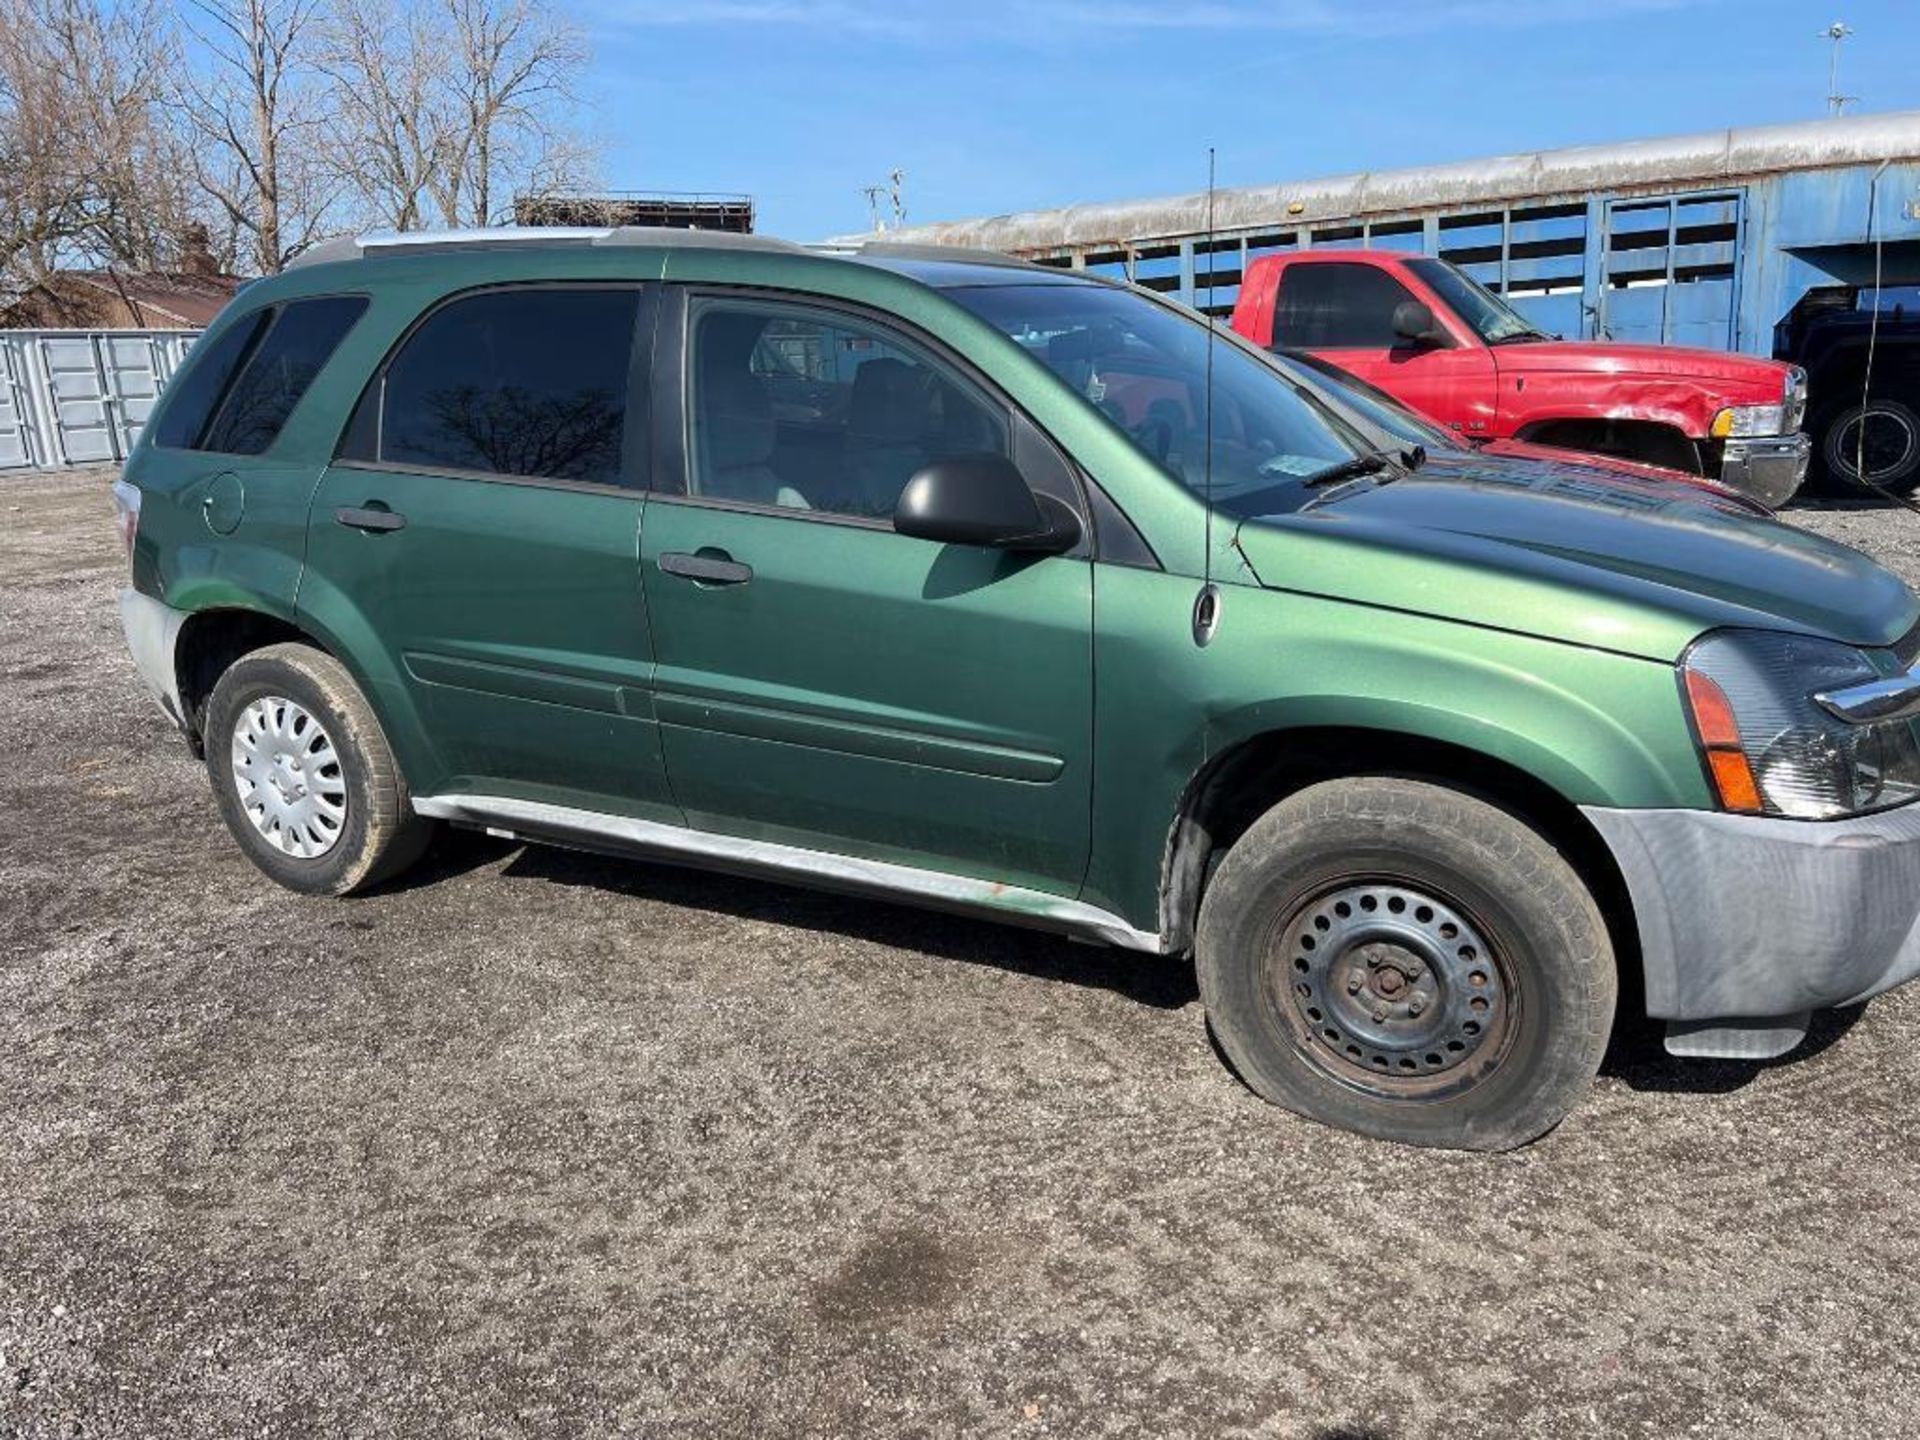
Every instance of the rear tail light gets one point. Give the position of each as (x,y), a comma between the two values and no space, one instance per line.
(126,515)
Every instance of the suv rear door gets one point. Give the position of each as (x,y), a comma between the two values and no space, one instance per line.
(824,681)
(477,538)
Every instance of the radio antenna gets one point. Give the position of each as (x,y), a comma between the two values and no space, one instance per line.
(1206,606)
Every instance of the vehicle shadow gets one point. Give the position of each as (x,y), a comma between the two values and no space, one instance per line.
(1150,980)
(1638,1055)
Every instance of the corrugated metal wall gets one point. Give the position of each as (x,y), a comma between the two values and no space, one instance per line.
(79,397)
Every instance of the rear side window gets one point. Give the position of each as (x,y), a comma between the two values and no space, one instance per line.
(1332,306)
(300,341)
(529,383)
(192,394)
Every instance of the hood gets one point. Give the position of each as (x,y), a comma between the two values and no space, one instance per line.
(1593,460)
(1574,553)
(1766,379)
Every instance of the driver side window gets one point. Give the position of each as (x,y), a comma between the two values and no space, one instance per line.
(1332,305)
(812,410)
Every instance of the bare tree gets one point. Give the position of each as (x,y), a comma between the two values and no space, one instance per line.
(254,111)
(510,84)
(89,172)
(387,66)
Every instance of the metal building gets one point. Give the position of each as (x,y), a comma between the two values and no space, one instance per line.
(1697,239)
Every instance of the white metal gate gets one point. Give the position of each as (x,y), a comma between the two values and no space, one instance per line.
(79,397)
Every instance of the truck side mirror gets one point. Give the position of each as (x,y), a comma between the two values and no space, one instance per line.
(1413,322)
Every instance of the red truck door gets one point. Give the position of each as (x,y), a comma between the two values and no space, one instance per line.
(1343,309)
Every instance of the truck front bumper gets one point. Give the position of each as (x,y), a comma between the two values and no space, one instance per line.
(152,631)
(1748,924)
(1769,468)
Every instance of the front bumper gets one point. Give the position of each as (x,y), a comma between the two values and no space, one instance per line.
(1744,918)
(1768,468)
(153,631)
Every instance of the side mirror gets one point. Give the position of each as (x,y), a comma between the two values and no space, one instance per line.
(982,500)
(1413,322)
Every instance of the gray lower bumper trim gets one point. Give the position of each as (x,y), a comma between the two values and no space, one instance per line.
(1737,1039)
(152,630)
(819,867)
(1744,917)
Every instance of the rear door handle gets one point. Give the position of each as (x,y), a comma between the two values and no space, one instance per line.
(718,569)
(369,517)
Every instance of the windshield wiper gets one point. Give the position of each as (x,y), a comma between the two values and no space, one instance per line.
(1520,335)
(1371,463)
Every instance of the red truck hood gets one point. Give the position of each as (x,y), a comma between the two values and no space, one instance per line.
(1761,380)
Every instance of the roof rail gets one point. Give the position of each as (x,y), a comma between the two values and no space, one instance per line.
(519,237)
(929,250)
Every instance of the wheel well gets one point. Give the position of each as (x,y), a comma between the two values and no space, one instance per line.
(210,642)
(1652,442)
(1240,785)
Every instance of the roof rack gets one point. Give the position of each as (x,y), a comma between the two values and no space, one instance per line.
(522,237)
(925,250)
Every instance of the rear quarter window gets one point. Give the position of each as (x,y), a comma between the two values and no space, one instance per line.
(192,394)
(296,346)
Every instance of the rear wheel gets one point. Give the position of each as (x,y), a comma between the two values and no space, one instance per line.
(1400,959)
(303,774)
(1886,433)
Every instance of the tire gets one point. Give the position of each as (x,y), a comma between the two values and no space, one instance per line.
(1399,959)
(1893,457)
(322,828)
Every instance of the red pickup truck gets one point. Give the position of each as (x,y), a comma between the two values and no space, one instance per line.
(1427,333)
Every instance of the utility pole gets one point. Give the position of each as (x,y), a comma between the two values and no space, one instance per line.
(896,193)
(873,194)
(897,180)
(1836,102)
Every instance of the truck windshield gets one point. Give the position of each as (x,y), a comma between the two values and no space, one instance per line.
(1142,365)
(1492,319)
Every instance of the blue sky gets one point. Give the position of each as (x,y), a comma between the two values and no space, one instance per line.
(995,105)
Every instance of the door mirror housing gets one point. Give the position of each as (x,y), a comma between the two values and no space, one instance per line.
(983,500)
(1413,322)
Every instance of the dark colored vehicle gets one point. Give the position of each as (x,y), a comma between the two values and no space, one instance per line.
(1012,591)
(1831,333)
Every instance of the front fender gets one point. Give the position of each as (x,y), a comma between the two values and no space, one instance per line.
(1583,722)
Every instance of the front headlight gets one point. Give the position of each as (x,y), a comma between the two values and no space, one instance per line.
(1742,422)
(1771,749)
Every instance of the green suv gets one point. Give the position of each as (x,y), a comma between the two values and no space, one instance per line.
(940,577)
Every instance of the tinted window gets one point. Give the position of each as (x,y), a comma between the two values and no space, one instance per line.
(192,394)
(1328,306)
(817,411)
(1159,374)
(299,342)
(515,382)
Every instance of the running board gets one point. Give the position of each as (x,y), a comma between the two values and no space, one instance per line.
(537,820)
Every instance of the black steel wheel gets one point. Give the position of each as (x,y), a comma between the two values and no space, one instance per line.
(1397,958)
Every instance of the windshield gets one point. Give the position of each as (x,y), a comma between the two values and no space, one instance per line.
(1495,321)
(1143,365)
(1374,406)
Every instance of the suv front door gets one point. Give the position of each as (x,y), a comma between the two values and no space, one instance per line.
(823,681)
(479,536)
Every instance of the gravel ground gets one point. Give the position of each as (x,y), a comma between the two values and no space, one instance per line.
(543,1144)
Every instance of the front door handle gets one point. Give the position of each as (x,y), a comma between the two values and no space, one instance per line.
(369,517)
(705,567)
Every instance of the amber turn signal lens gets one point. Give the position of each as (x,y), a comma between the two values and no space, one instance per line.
(1720,734)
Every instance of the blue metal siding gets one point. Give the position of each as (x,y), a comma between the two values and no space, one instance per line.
(1717,267)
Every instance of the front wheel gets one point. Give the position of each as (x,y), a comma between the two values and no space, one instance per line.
(303,774)
(1884,433)
(1400,959)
